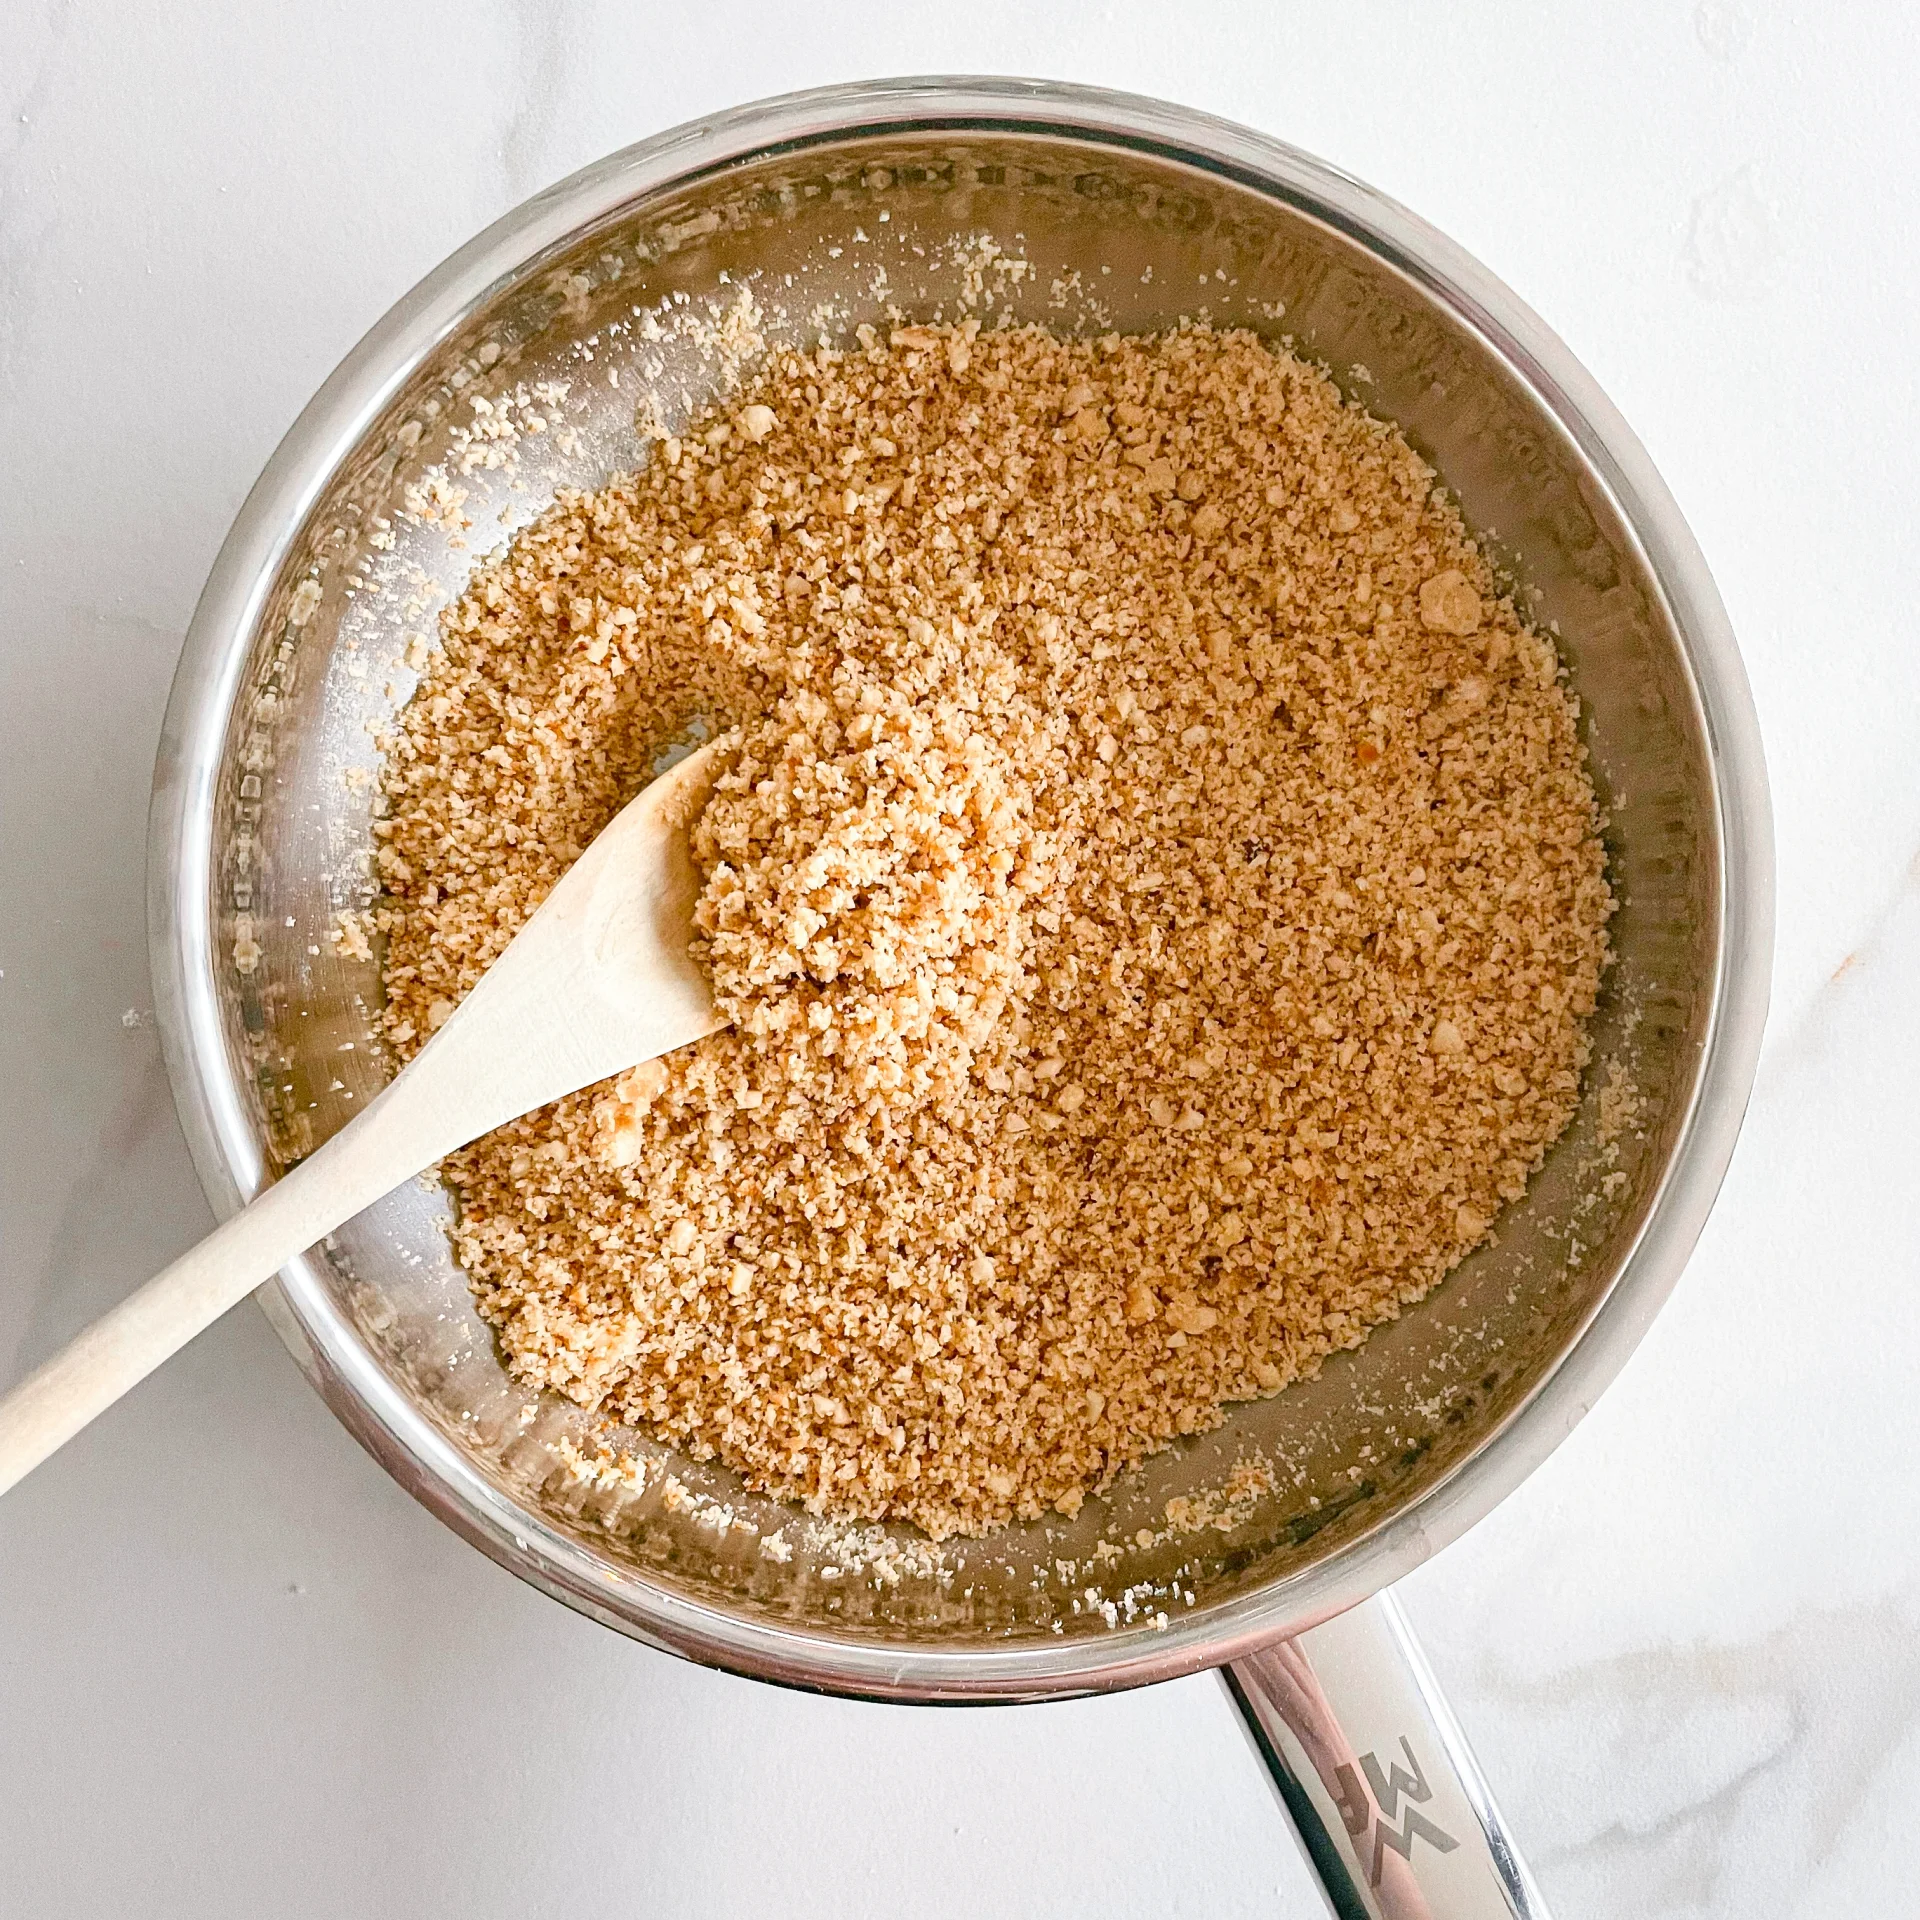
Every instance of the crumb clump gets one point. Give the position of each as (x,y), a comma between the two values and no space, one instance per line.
(1227,1506)
(1157,891)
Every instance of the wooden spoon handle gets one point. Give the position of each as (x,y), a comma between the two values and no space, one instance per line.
(120,1349)
(599,979)
(439,1102)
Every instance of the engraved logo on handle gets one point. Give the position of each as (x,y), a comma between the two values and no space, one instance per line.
(1389,1784)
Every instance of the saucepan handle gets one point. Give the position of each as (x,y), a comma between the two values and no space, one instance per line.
(1373,1769)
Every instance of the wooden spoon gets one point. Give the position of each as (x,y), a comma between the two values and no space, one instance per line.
(601,978)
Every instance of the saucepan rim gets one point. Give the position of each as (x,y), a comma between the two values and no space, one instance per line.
(210,1100)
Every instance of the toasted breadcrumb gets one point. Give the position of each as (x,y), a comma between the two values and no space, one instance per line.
(1157,891)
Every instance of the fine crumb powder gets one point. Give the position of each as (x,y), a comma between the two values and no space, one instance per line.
(1157,892)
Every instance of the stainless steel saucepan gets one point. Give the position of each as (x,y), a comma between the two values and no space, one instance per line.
(517,367)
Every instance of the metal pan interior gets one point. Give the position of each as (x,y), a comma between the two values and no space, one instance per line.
(300,658)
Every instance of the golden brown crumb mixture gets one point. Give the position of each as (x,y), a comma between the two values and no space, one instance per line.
(1158,893)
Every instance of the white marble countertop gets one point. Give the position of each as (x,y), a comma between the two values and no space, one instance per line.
(240,1673)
